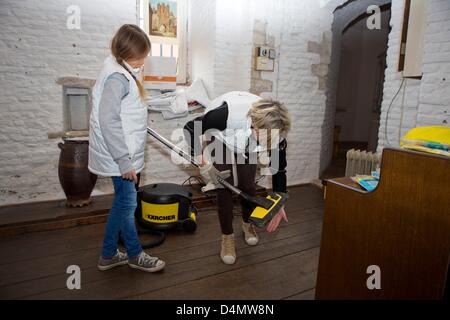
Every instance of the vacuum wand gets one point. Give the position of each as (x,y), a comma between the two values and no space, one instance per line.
(173,147)
(191,159)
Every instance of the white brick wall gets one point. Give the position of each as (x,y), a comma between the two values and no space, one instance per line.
(299,88)
(220,48)
(422,102)
(202,24)
(434,99)
(36,49)
(292,23)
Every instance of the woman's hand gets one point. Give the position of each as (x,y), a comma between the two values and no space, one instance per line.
(131,176)
(273,224)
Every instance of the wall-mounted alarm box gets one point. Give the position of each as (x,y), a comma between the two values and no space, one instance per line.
(265,59)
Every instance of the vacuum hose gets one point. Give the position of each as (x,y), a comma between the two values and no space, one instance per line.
(154,243)
(161,237)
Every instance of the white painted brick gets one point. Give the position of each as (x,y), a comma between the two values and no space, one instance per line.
(427,100)
(34,39)
(36,49)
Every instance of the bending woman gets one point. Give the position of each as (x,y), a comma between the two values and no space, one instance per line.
(241,125)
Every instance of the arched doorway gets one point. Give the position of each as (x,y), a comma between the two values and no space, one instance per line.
(356,81)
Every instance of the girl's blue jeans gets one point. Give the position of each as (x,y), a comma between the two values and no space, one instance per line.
(121,220)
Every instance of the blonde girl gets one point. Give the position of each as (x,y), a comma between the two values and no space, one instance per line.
(117,137)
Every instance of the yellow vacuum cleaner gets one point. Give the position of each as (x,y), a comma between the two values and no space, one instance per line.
(265,208)
(166,206)
(163,207)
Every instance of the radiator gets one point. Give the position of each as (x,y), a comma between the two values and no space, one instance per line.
(361,163)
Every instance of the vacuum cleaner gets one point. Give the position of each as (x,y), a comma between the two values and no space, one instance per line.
(167,206)
(162,205)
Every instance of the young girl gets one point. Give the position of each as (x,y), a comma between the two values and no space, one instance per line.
(240,121)
(117,138)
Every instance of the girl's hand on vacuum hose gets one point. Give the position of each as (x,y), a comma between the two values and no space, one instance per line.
(273,224)
(131,176)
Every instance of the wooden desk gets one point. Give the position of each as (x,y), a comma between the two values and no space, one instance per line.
(403,227)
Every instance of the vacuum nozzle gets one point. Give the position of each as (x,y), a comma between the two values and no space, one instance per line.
(262,215)
(261,202)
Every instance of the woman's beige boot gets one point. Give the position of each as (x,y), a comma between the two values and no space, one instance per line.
(228,251)
(251,237)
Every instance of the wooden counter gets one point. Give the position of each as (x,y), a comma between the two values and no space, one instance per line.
(403,227)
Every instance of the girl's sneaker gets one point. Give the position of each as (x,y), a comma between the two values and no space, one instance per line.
(146,262)
(118,260)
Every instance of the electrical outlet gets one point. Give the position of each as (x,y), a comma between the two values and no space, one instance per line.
(272,54)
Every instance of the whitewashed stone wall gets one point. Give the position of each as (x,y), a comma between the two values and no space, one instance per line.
(421,102)
(36,48)
(291,24)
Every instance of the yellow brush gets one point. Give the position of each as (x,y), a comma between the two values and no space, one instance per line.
(261,216)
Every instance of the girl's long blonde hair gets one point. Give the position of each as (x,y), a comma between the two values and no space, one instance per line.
(131,42)
(269,115)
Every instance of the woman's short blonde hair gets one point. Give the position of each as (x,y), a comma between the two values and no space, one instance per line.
(270,115)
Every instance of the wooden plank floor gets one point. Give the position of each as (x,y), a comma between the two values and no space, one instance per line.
(52,215)
(282,266)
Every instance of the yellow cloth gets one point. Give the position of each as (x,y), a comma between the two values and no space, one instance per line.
(417,139)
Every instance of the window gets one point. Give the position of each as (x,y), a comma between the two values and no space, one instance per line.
(165,21)
(76,108)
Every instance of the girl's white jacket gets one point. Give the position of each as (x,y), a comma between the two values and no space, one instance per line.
(134,123)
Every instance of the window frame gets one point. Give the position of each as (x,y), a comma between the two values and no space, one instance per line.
(69,112)
(181,40)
